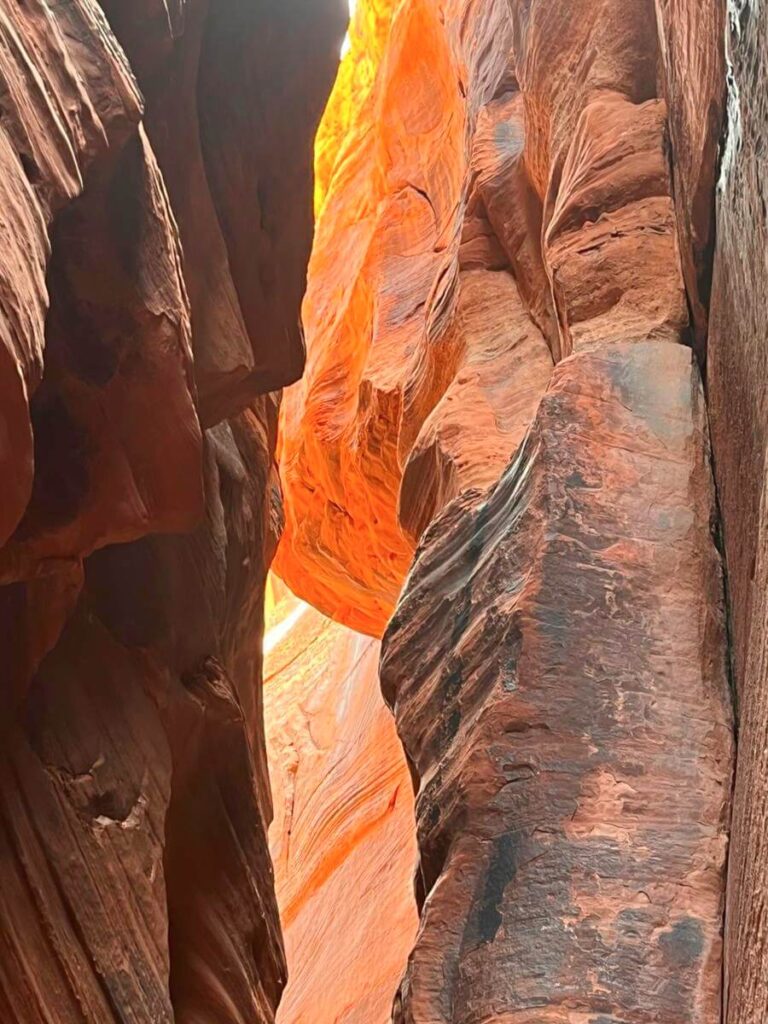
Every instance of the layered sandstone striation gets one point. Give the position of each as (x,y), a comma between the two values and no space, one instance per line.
(557,669)
(140,503)
(693,73)
(737,376)
(485,175)
(342,838)
(405,265)
(525,186)
(498,457)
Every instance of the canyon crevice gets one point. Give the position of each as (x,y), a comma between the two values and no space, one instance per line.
(489,747)
(342,839)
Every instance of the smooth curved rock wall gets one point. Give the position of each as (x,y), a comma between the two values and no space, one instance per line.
(140,505)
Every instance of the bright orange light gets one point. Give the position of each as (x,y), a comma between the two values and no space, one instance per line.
(361,55)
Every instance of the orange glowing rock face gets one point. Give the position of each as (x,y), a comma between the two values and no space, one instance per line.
(493,193)
(342,839)
(383,347)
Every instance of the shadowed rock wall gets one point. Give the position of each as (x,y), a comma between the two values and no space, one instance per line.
(140,505)
(737,377)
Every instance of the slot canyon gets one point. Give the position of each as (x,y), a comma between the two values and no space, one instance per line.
(384,512)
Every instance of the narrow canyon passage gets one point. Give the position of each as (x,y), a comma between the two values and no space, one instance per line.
(343,838)
(383,512)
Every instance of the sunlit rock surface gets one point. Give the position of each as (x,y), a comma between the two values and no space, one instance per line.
(343,838)
(139,506)
(389,338)
(557,669)
(526,141)
(514,199)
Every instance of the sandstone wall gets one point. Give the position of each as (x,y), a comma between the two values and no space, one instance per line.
(500,447)
(501,195)
(404,271)
(342,839)
(140,504)
(557,670)
(737,374)
(530,185)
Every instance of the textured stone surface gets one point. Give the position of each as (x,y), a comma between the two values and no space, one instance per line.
(382,338)
(595,149)
(235,91)
(530,183)
(342,838)
(135,878)
(501,374)
(557,670)
(612,224)
(143,803)
(529,139)
(68,98)
(693,71)
(737,373)
(117,438)
(502,186)
(189,608)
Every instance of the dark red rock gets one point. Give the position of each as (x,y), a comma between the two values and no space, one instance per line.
(117,438)
(135,879)
(215,74)
(84,789)
(191,609)
(501,184)
(68,97)
(737,378)
(611,221)
(692,62)
(557,670)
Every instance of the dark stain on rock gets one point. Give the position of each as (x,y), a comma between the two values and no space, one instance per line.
(683,945)
(501,870)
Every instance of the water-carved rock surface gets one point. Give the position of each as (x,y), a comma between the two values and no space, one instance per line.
(526,141)
(692,70)
(506,195)
(342,838)
(514,285)
(557,670)
(737,377)
(140,505)
(386,352)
